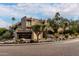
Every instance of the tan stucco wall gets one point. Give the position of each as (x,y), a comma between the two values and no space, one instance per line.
(34,22)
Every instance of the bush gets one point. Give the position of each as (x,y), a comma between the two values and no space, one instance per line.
(6,35)
(32,41)
(0,37)
(76,34)
(20,41)
(2,31)
(66,36)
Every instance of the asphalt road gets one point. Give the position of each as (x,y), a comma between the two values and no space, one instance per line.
(62,48)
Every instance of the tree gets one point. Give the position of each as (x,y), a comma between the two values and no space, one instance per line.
(57,15)
(59,22)
(13,26)
(74,27)
(55,22)
(13,19)
(65,25)
(38,29)
(5,33)
(2,31)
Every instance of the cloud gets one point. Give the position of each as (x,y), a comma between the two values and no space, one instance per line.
(66,9)
(9,11)
(4,24)
(38,10)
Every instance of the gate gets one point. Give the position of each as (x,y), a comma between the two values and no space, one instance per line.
(26,35)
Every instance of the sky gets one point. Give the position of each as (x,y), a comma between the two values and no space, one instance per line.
(36,10)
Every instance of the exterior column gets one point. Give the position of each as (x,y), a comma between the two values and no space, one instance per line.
(15,35)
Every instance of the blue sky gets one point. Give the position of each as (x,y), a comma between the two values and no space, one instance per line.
(36,10)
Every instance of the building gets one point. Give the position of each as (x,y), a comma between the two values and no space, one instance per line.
(25,28)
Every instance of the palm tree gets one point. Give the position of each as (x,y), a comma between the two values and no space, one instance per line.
(13,19)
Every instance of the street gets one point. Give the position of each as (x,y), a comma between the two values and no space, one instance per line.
(61,48)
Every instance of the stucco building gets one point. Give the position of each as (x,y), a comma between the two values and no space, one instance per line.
(25,30)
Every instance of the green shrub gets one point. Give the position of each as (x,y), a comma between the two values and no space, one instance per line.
(6,35)
(0,37)
(2,31)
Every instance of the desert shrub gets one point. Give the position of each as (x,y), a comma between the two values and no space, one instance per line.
(32,41)
(45,35)
(20,41)
(6,35)
(66,32)
(56,35)
(66,35)
(76,34)
(2,31)
(0,37)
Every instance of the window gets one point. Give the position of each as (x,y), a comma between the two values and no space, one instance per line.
(28,23)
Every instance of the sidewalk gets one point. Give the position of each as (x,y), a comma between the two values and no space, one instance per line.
(44,42)
(72,40)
